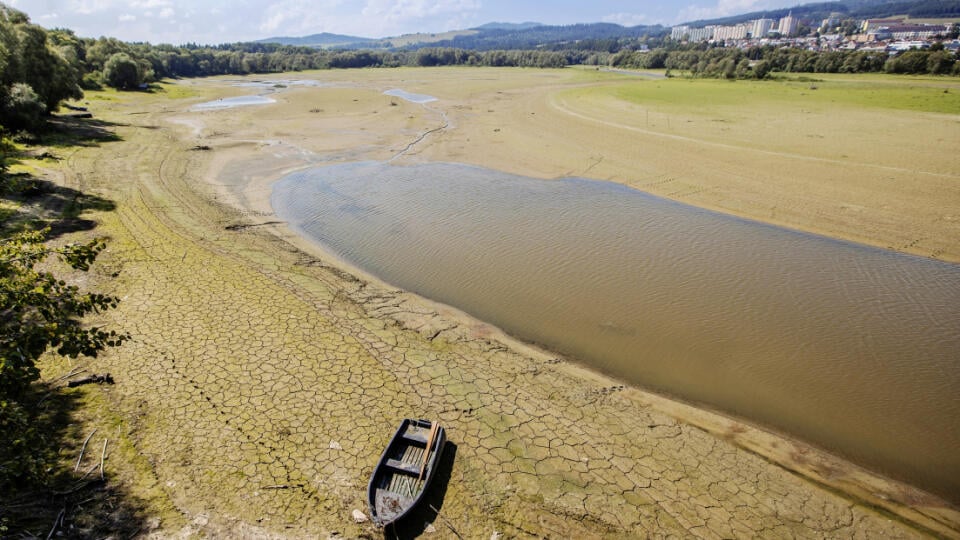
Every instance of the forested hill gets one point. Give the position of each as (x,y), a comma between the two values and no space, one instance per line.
(495,38)
(853,9)
(488,37)
(528,36)
(324,40)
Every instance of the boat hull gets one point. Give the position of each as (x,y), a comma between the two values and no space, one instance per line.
(404,471)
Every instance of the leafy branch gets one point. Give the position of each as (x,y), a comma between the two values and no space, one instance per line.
(38,311)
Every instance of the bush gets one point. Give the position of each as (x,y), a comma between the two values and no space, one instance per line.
(122,72)
(22,108)
(940,62)
(92,81)
(912,61)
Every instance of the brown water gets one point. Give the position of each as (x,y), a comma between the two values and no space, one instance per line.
(852,348)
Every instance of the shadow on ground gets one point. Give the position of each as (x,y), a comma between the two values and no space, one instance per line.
(33,202)
(60,489)
(428,512)
(64,502)
(71,130)
(41,203)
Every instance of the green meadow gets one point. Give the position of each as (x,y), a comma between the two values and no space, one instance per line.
(866,91)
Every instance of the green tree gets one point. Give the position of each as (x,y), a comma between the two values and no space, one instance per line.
(122,72)
(22,108)
(912,61)
(99,51)
(39,312)
(761,69)
(28,58)
(940,62)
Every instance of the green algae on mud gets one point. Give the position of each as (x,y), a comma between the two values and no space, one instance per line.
(252,357)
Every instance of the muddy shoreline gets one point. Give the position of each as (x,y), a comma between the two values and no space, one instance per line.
(273,364)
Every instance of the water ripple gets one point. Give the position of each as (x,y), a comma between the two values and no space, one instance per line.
(849,347)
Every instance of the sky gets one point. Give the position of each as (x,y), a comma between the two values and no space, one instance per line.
(210,22)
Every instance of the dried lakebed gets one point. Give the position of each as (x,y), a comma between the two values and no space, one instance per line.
(849,347)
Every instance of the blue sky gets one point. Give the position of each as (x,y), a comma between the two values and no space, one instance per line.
(224,21)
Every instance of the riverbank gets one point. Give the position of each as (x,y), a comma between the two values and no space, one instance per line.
(264,378)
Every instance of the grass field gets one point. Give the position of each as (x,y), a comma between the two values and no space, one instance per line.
(877,92)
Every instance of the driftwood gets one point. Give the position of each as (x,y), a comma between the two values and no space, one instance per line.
(57,523)
(80,485)
(99,379)
(73,372)
(82,448)
(103,454)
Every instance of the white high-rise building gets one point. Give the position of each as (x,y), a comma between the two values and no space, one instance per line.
(788,25)
(677,33)
(723,33)
(701,34)
(761,27)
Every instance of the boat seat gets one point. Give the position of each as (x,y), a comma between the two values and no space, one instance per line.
(403,467)
(415,437)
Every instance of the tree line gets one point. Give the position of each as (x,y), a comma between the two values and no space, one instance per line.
(702,60)
(40,67)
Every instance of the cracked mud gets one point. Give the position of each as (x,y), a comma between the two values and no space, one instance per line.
(262,383)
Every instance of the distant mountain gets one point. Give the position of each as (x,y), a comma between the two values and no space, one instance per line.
(419,40)
(508,36)
(320,41)
(508,26)
(542,36)
(854,9)
(603,36)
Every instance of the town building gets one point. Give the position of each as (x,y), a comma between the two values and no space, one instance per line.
(788,25)
(904,32)
(679,33)
(701,34)
(761,27)
(872,25)
(724,33)
(831,22)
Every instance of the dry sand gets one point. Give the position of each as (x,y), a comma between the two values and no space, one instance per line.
(265,377)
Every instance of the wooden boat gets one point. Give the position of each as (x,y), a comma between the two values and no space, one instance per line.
(405,470)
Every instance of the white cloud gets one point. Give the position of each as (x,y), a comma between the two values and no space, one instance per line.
(150,4)
(723,8)
(390,16)
(626,19)
(293,17)
(126,17)
(90,7)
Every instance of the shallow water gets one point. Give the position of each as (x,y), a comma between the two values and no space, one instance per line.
(277,84)
(413,98)
(852,348)
(229,103)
